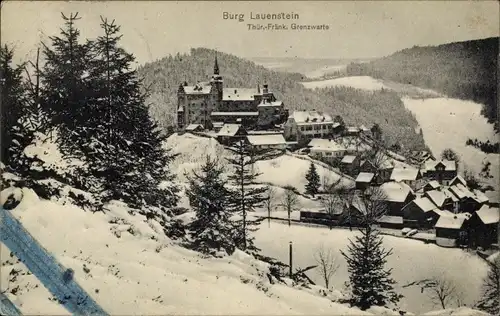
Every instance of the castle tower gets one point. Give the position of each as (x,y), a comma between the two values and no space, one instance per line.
(216,82)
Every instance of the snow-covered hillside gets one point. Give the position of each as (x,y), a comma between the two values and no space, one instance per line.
(281,171)
(411,261)
(130,268)
(448,123)
(358,82)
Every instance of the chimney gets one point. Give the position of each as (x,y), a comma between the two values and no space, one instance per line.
(265,90)
(235,91)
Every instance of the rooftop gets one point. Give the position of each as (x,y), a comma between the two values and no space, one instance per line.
(395,191)
(200,88)
(455,221)
(311,117)
(433,184)
(437,197)
(325,145)
(192,127)
(391,219)
(458,179)
(234,114)
(425,204)
(365,177)
(239,94)
(404,174)
(489,215)
(229,130)
(348,159)
(271,104)
(274,139)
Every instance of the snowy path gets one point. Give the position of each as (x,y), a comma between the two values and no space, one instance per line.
(45,267)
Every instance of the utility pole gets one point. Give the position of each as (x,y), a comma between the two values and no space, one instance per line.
(290,251)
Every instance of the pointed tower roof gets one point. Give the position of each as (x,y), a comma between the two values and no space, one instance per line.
(216,66)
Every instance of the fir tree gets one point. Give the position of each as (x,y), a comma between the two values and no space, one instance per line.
(15,136)
(490,301)
(211,229)
(313,180)
(370,283)
(246,195)
(126,147)
(65,93)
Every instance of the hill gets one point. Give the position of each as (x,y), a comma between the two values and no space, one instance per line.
(163,77)
(465,70)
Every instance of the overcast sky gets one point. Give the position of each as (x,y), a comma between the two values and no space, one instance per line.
(358,29)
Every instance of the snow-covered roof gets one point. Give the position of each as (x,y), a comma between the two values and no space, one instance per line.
(365,177)
(192,127)
(457,192)
(433,184)
(353,129)
(449,165)
(450,195)
(348,159)
(481,197)
(465,190)
(311,117)
(275,139)
(239,94)
(229,130)
(364,128)
(270,104)
(180,109)
(325,145)
(200,88)
(451,221)
(235,114)
(390,219)
(488,215)
(437,197)
(218,124)
(425,204)
(395,191)
(402,174)
(458,179)
(442,212)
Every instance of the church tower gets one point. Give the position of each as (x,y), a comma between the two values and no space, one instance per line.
(216,82)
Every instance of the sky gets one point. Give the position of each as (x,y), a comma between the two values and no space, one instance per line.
(357,29)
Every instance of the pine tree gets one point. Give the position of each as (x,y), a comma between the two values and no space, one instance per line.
(126,148)
(211,229)
(490,301)
(246,195)
(370,283)
(313,180)
(15,136)
(65,93)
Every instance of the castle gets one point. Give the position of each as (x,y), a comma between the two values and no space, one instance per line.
(211,104)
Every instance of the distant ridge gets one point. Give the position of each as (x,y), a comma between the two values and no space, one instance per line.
(465,70)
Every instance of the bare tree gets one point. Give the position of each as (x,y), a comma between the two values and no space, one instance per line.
(336,198)
(290,202)
(270,202)
(440,289)
(327,263)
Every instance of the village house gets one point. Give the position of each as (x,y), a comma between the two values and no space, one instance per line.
(442,171)
(391,222)
(442,200)
(349,165)
(302,126)
(420,213)
(192,128)
(267,141)
(364,180)
(208,102)
(451,230)
(458,180)
(483,227)
(230,134)
(326,149)
(382,171)
(408,175)
(396,195)
(431,185)
(468,201)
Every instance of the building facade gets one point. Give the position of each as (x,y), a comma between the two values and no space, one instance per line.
(302,126)
(210,103)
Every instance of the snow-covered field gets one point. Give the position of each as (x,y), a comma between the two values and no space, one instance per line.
(448,123)
(411,260)
(358,82)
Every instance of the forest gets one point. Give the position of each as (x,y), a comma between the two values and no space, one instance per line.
(465,70)
(162,79)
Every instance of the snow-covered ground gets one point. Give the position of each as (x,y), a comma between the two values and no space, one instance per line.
(358,82)
(281,171)
(131,268)
(448,123)
(411,260)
